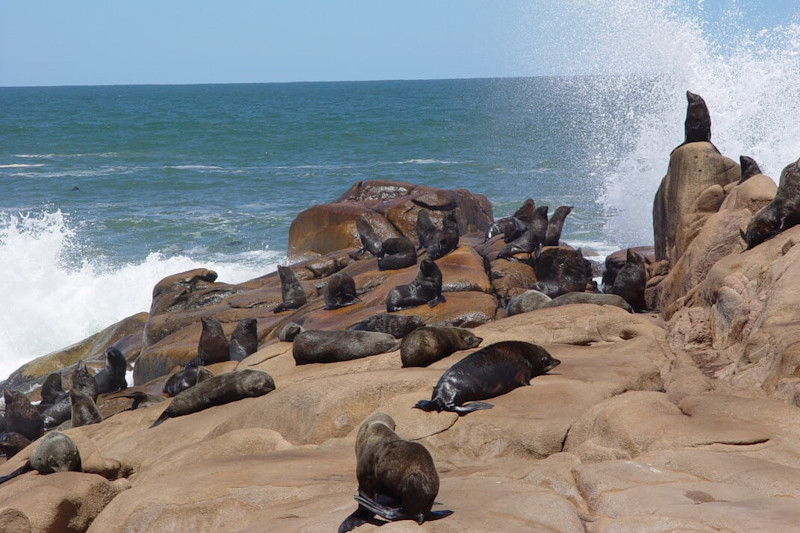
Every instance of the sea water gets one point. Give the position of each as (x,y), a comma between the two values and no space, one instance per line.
(106,190)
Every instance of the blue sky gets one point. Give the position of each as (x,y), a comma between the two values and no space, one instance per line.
(91,42)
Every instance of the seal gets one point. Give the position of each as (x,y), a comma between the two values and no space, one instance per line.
(527,243)
(289,331)
(446,240)
(631,281)
(397,253)
(426,230)
(56,452)
(218,390)
(213,345)
(140,398)
(52,389)
(322,346)
(528,301)
(11,443)
(561,270)
(389,468)
(112,377)
(186,378)
(292,293)
(556,225)
(84,381)
(425,289)
(589,298)
(491,371)
(58,413)
(749,168)
(84,410)
(340,291)
(428,344)
(515,225)
(244,339)
(782,213)
(697,127)
(370,242)
(395,325)
(21,416)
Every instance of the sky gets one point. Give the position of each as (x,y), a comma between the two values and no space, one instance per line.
(102,42)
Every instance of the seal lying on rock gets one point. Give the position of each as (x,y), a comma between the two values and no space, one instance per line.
(397,479)
(397,253)
(491,371)
(589,298)
(528,301)
(188,377)
(782,213)
(56,452)
(427,345)
(112,377)
(218,390)
(317,346)
(292,293)
(396,325)
(340,291)
(425,289)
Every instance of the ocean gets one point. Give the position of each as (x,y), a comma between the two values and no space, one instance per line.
(106,190)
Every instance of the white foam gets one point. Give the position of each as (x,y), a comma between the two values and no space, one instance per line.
(22,165)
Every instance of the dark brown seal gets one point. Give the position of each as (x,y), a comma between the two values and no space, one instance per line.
(292,293)
(561,270)
(426,229)
(21,416)
(446,240)
(318,346)
(526,243)
(429,344)
(782,213)
(218,390)
(244,339)
(84,381)
(213,345)
(397,253)
(489,372)
(631,281)
(340,291)
(515,225)
(556,225)
(397,479)
(52,389)
(56,452)
(370,242)
(749,168)
(11,443)
(185,379)
(112,377)
(394,324)
(84,410)
(425,289)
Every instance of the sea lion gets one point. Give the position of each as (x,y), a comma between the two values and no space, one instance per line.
(782,213)
(749,168)
(426,230)
(397,253)
(446,240)
(319,346)
(289,331)
(425,289)
(530,300)
(539,223)
(526,211)
(244,339)
(698,120)
(397,479)
(186,378)
(589,298)
(369,239)
(527,243)
(340,291)
(292,293)
(56,452)
(631,281)
(213,345)
(112,377)
(218,390)
(556,225)
(84,381)
(398,326)
(491,371)
(428,344)
(84,410)
(561,270)
(52,389)
(514,226)
(11,443)
(21,416)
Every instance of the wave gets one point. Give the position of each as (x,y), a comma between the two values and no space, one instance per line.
(53,156)
(427,162)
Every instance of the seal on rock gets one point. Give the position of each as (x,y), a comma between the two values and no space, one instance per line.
(782,213)
(56,452)
(530,300)
(52,389)
(289,331)
(340,291)
(564,268)
(84,410)
(84,381)
(21,416)
(513,226)
(292,293)
(396,325)
(556,225)
(491,371)
(218,390)
(112,377)
(370,242)
(426,229)
(425,289)
(631,281)
(213,345)
(184,379)
(321,346)
(11,443)
(244,339)
(397,479)
(749,168)
(446,240)
(428,344)
(589,298)
(397,253)
(527,243)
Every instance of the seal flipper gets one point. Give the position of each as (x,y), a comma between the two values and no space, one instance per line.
(19,471)
(429,405)
(360,516)
(160,419)
(472,406)
(389,513)
(437,515)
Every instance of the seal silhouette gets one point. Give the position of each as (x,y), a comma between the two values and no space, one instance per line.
(556,225)
(21,416)
(397,479)
(428,344)
(631,281)
(292,293)
(782,213)
(56,452)
(491,371)
(749,168)
(394,324)
(186,378)
(340,291)
(322,346)
(244,339)
(112,377)
(425,289)
(370,242)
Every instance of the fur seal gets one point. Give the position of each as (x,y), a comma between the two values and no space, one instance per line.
(289,331)
(589,298)
(398,326)
(11,443)
(426,230)
(186,378)
(397,253)
(397,479)
(58,413)
(52,389)
(213,345)
(515,225)
(561,270)
(218,390)
(84,411)
(425,289)
(527,243)
(244,339)
(370,242)
(428,344)
(698,120)
(782,213)
(112,377)
(318,346)
(56,452)
(340,291)
(530,300)
(21,416)
(491,371)
(140,398)
(556,225)
(631,281)
(292,293)
(446,240)
(749,168)
(84,381)
(539,223)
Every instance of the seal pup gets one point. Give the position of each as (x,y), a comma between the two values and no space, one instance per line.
(21,416)
(556,225)
(84,411)
(491,371)
(528,301)
(631,281)
(321,346)
(340,291)
(56,452)
(213,345)
(218,390)
(425,289)
(428,344)
(782,213)
(370,242)
(52,389)
(292,293)
(397,253)
(397,479)
(188,377)
(446,240)
(84,381)
(749,168)
(11,443)
(426,230)
(395,325)
(112,377)
(589,298)
(244,339)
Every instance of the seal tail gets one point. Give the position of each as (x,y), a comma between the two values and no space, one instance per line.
(429,405)
(19,471)
(472,406)
(160,419)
